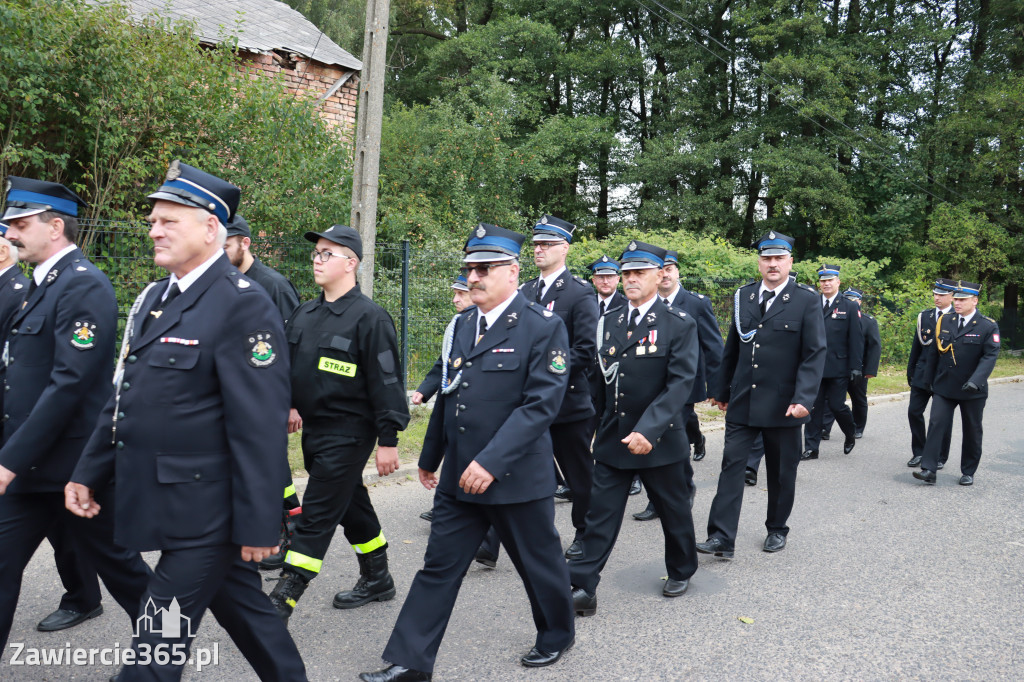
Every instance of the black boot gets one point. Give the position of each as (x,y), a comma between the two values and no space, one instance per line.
(374,584)
(286,593)
(275,562)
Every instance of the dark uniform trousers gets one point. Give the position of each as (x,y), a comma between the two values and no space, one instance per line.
(25,519)
(781,458)
(919,398)
(832,393)
(527,530)
(940,429)
(76,570)
(335,495)
(692,421)
(668,489)
(858,391)
(214,577)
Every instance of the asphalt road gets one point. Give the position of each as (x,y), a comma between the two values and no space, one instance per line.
(883,578)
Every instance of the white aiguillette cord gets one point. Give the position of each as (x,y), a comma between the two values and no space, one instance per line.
(129,327)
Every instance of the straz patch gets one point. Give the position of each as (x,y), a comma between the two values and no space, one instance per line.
(260,349)
(84,336)
(345,369)
(558,363)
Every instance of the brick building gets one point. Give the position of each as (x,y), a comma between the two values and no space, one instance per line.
(274,41)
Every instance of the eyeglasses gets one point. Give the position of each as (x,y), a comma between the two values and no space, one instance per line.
(481,269)
(325,256)
(544,246)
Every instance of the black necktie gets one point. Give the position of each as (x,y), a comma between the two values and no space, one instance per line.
(961,324)
(172,294)
(540,290)
(768,295)
(665,301)
(634,315)
(32,286)
(602,308)
(825,306)
(483,328)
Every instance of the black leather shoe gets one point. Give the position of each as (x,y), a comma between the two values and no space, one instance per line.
(774,542)
(700,449)
(848,444)
(538,659)
(635,487)
(647,514)
(486,558)
(395,673)
(941,465)
(809,454)
(966,480)
(563,492)
(750,477)
(575,550)
(582,603)
(915,461)
(274,562)
(825,435)
(715,546)
(675,588)
(62,619)
(925,475)
(427,515)
(858,433)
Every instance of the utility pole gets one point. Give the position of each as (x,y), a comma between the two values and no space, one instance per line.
(368,126)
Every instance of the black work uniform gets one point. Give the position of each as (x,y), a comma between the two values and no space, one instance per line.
(347,387)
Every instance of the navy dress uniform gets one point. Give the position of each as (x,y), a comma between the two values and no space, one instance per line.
(602,266)
(196,438)
(432,382)
(920,369)
(649,356)
(858,387)
(59,359)
(964,354)
(698,306)
(844,362)
(501,391)
(347,387)
(774,357)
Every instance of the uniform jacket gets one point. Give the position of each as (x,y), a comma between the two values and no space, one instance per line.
(616,301)
(345,373)
(844,336)
(573,300)
(919,366)
(657,364)
(782,365)
(60,359)
(281,291)
(972,357)
(200,446)
(509,390)
(13,289)
(698,306)
(872,344)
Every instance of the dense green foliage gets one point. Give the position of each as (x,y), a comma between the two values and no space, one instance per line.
(103,105)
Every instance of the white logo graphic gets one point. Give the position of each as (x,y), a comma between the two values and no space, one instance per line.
(168,623)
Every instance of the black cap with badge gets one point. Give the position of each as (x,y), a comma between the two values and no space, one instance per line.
(190,186)
(27,197)
(342,235)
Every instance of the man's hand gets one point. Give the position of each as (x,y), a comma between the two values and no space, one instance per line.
(6,476)
(294,421)
(257,553)
(637,443)
(475,479)
(417,398)
(79,501)
(797,411)
(720,405)
(428,479)
(387,460)
(869,376)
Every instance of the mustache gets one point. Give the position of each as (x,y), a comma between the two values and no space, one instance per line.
(17,243)
(477,285)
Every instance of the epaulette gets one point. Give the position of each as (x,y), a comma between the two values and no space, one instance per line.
(807,287)
(539,309)
(694,293)
(581,280)
(680,313)
(240,283)
(870,317)
(990,319)
(78,266)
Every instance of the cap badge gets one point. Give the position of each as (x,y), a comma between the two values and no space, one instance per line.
(544,220)
(604,259)
(771,235)
(632,246)
(480,232)
(174,172)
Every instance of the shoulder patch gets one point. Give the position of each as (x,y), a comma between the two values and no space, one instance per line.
(260,351)
(557,363)
(83,337)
